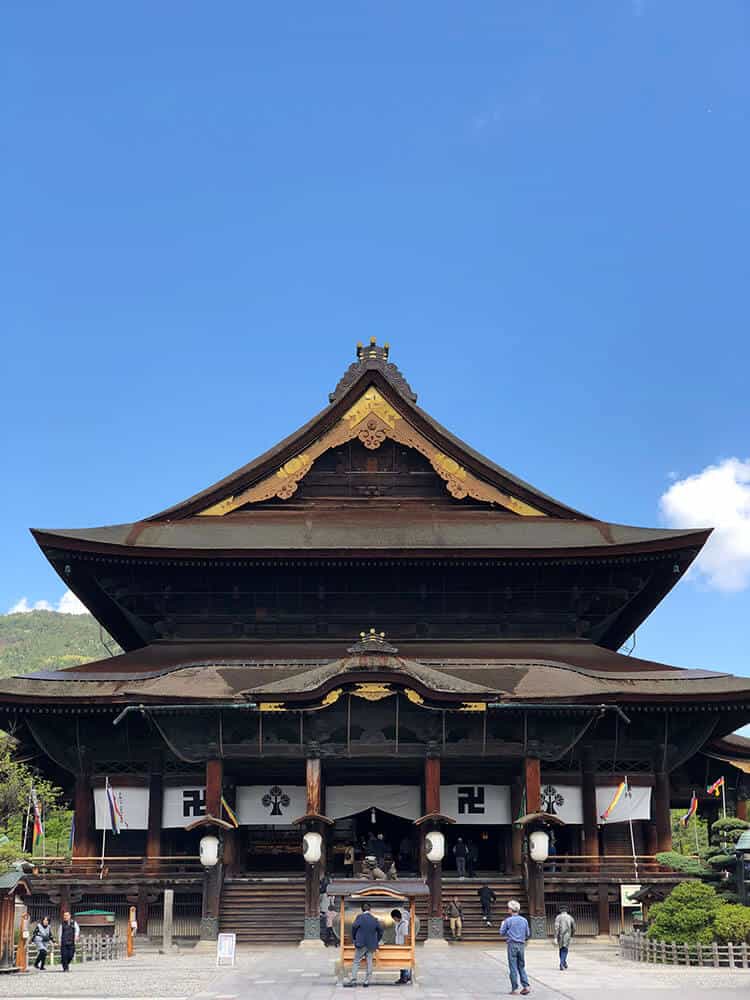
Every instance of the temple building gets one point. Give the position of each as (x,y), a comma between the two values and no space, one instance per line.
(371,632)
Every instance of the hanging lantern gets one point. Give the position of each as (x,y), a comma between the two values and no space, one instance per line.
(434,844)
(209,851)
(312,847)
(373,817)
(539,845)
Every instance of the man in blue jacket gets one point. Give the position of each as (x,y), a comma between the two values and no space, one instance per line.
(366,935)
(516,929)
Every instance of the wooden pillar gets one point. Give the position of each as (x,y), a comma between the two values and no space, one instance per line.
(141,909)
(662,816)
(516,835)
(213,877)
(603,907)
(533,779)
(534,871)
(434,868)
(231,839)
(84,843)
(167,921)
(742,809)
(314,872)
(153,833)
(214,787)
(651,838)
(590,817)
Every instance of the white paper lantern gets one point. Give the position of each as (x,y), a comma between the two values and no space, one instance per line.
(209,851)
(539,845)
(312,847)
(435,846)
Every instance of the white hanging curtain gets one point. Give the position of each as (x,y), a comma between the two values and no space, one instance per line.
(399,800)
(132,803)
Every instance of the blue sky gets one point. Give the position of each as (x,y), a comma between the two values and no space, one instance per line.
(543,208)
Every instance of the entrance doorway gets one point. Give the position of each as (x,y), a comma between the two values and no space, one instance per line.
(487,846)
(374,831)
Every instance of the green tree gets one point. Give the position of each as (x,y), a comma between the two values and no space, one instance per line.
(686,915)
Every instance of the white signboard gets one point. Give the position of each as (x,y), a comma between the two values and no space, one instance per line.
(271,805)
(183,805)
(399,800)
(226,945)
(476,804)
(566,801)
(132,803)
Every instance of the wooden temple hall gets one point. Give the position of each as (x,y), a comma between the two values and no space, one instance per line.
(369,636)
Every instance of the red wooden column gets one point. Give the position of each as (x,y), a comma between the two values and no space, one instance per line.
(214,877)
(516,834)
(532,776)
(84,843)
(588,795)
(434,868)
(742,809)
(662,815)
(314,872)
(153,833)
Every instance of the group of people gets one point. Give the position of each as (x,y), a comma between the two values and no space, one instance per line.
(367,933)
(453,911)
(43,940)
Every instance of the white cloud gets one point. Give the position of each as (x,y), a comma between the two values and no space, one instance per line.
(719,498)
(67,605)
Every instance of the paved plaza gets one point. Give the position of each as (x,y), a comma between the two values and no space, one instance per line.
(459,972)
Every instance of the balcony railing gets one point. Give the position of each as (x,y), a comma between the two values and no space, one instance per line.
(620,866)
(167,866)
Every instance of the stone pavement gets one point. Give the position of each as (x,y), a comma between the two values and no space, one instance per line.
(458,972)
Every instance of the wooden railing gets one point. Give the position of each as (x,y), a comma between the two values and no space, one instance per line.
(167,866)
(615,866)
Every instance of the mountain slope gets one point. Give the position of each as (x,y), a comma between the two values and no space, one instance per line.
(43,640)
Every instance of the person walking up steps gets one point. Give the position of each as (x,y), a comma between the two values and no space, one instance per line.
(565,928)
(486,897)
(42,938)
(516,929)
(455,918)
(459,850)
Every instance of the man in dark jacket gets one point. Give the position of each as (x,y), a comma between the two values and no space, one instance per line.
(459,850)
(69,932)
(486,897)
(366,935)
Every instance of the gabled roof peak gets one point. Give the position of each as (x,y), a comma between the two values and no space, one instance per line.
(373,357)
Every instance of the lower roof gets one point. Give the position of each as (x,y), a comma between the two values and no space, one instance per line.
(508,671)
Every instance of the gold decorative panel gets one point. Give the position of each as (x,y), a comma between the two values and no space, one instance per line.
(372,692)
(372,419)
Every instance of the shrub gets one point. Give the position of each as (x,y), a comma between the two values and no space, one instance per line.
(732,923)
(687,914)
(682,863)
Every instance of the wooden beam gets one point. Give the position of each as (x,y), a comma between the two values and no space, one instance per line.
(432,785)
(533,781)
(153,833)
(588,795)
(84,845)
(314,786)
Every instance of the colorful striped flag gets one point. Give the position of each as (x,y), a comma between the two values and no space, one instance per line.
(38,831)
(116,818)
(230,814)
(622,789)
(691,811)
(716,788)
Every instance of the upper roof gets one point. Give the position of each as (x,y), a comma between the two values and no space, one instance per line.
(492,511)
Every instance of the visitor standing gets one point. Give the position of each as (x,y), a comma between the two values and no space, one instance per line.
(69,934)
(486,897)
(459,851)
(515,929)
(43,940)
(565,928)
(366,935)
(401,920)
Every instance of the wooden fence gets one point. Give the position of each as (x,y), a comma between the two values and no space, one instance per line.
(89,948)
(639,948)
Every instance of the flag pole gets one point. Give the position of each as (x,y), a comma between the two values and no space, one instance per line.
(630,824)
(695,827)
(724,796)
(42,818)
(104,829)
(26,824)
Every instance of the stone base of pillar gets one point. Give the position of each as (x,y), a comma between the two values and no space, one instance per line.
(209,928)
(435,933)
(538,925)
(312,931)
(308,944)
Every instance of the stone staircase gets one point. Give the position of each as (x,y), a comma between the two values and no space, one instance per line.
(264,911)
(504,887)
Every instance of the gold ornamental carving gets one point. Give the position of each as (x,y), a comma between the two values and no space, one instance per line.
(332,697)
(272,706)
(373,692)
(372,419)
(473,706)
(413,697)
